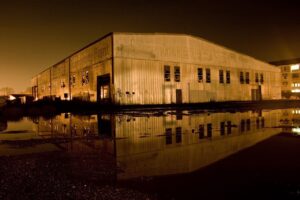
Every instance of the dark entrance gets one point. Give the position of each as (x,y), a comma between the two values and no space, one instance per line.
(103,88)
(178,96)
(35,92)
(259,95)
(256,94)
(104,125)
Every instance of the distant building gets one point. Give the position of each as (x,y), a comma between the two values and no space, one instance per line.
(290,77)
(134,68)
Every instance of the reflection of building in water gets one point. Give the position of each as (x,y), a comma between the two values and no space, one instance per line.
(3,124)
(169,144)
(75,127)
(166,145)
(290,121)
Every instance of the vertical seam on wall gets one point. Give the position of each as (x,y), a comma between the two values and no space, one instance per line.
(112,56)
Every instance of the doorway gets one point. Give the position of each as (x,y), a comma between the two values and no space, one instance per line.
(256,94)
(178,96)
(103,88)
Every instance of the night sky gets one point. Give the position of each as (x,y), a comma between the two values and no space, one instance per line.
(36,34)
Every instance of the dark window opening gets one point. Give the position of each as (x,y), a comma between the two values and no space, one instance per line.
(222,128)
(228,127)
(242,77)
(87,80)
(247,78)
(261,78)
(209,130)
(201,131)
(227,76)
(83,79)
(178,135)
(242,125)
(167,73)
(248,124)
(256,78)
(221,76)
(200,75)
(177,73)
(168,136)
(263,122)
(207,75)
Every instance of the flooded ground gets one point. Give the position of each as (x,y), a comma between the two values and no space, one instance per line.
(152,155)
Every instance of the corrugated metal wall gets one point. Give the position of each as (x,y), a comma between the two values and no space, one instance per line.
(139,61)
(137,68)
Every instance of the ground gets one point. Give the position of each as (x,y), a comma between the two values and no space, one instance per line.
(57,175)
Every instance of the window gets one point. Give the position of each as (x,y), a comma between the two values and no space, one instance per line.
(168,136)
(201,131)
(222,128)
(247,78)
(200,75)
(209,130)
(207,71)
(263,122)
(256,77)
(295,75)
(178,135)
(167,73)
(242,77)
(177,73)
(62,84)
(248,124)
(221,76)
(261,78)
(87,80)
(83,79)
(228,127)
(257,123)
(242,125)
(227,76)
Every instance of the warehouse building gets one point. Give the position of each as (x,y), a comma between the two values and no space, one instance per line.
(290,77)
(134,68)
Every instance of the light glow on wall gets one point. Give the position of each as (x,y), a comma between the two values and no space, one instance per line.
(294,67)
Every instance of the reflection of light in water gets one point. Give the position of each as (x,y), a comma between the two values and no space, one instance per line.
(295,111)
(296,130)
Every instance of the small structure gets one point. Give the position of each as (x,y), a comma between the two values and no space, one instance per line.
(290,77)
(135,68)
(20,98)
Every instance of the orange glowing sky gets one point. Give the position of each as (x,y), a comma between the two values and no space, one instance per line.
(35,34)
